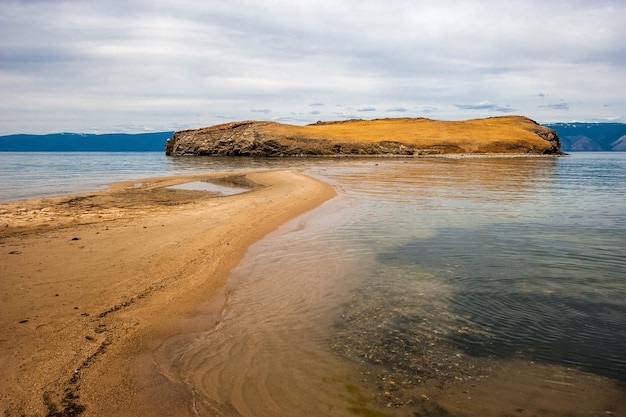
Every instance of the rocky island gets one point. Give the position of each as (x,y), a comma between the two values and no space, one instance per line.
(380,137)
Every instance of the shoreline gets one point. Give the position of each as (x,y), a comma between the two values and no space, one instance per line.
(95,281)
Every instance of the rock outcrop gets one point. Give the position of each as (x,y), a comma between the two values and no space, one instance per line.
(382,137)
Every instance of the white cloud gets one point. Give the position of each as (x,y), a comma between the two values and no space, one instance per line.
(68,66)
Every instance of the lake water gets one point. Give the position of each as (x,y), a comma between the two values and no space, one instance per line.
(427,287)
(42,174)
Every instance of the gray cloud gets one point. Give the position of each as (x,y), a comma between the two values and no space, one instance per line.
(73,65)
(485,106)
(556,106)
(341,115)
(397,110)
(264,111)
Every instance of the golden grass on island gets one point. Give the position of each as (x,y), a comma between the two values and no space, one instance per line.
(421,132)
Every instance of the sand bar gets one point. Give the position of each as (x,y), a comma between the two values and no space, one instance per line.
(92,282)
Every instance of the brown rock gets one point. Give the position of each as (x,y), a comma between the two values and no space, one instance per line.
(381,137)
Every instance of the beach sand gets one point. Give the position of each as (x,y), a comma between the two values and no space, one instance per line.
(92,283)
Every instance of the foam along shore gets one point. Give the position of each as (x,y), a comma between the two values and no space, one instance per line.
(92,282)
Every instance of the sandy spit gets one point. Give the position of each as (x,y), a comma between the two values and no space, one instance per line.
(91,283)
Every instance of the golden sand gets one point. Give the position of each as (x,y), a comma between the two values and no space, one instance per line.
(91,282)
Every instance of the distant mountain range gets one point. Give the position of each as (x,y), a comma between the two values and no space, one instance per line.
(79,142)
(575,137)
(591,137)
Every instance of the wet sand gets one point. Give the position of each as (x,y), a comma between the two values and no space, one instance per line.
(92,282)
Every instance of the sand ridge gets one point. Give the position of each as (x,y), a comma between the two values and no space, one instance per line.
(92,281)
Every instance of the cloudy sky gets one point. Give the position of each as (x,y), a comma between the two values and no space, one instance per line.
(155,65)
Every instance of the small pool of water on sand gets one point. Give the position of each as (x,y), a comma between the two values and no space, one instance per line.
(224,190)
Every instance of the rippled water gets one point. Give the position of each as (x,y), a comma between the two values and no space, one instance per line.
(423,275)
(531,253)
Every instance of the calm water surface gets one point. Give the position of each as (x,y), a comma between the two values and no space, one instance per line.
(421,273)
(26,175)
(530,253)
(428,275)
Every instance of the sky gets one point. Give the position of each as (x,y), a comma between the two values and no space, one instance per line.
(134,66)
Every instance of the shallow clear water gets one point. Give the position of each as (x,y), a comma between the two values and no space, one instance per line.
(421,269)
(222,190)
(429,272)
(530,253)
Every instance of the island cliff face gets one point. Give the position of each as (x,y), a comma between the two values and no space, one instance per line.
(382,137)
